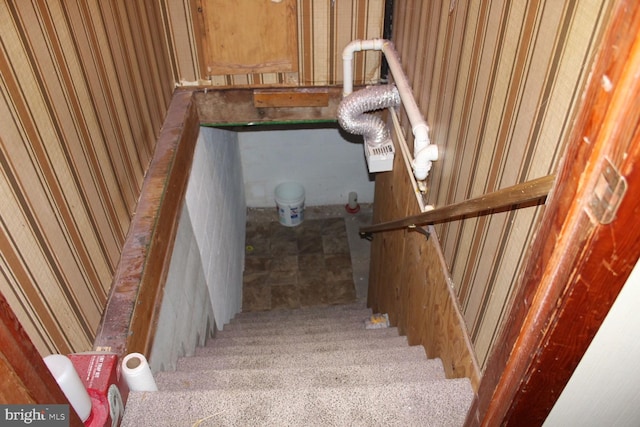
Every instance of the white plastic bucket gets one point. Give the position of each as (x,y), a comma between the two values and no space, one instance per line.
(290,203)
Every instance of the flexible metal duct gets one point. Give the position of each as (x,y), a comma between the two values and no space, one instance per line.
(352,109)
(424,152)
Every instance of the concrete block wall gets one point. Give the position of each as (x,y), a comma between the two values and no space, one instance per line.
(204,282)
(328,163)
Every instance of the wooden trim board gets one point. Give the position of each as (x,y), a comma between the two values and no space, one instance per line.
(128,322)
(278,98)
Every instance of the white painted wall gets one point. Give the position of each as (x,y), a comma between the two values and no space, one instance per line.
(604,390)
(186,314)
(326,164)
(204,281)
(217,208)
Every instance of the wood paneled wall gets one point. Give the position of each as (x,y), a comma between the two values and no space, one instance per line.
(409,281)
(498,83)
(324,28)
(85,87)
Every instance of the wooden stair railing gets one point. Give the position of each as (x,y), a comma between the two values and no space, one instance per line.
(516,195)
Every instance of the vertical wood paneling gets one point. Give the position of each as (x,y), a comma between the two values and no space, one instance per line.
(498,83)
(85,86)
(409,282)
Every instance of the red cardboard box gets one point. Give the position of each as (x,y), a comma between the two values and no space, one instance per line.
(100,373)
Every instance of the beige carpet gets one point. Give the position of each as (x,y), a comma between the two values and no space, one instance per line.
(305,367)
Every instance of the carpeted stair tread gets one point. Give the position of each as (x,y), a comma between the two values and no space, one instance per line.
(288,321)
(231,340)
(318,360)
(336,309)
(439,403)
(296,330)
(289,316)
(303,347)
(329,376)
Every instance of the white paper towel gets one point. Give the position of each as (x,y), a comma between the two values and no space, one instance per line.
(137,373)
(69,381)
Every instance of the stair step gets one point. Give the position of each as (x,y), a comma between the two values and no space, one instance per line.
(295,330)
(439,403)
(312,360)
(303,347)
(220,341)
(299,320)
(304,377)
(336,309)
(280,327)
(263,316)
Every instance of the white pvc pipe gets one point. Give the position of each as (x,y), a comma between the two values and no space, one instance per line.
(347,58)
(424,151)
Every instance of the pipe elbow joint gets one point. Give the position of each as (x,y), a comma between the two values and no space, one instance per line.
(350,49)
(359,45)
(422,161)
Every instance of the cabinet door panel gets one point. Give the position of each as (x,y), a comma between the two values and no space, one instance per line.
(250,36)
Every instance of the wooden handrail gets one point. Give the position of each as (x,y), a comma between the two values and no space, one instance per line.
(515,195)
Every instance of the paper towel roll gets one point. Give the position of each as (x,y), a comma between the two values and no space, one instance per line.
(69,381)
(137,373)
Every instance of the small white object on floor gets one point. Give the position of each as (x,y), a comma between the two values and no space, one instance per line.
(377,321)
(137,373)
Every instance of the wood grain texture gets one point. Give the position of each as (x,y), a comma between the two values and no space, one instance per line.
(510,197)
(408,280)
(432,309)
(236,106)
(246,37)
(274,98)
(320,30)
(128,323)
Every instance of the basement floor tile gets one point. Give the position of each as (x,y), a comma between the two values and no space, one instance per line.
(290,267)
